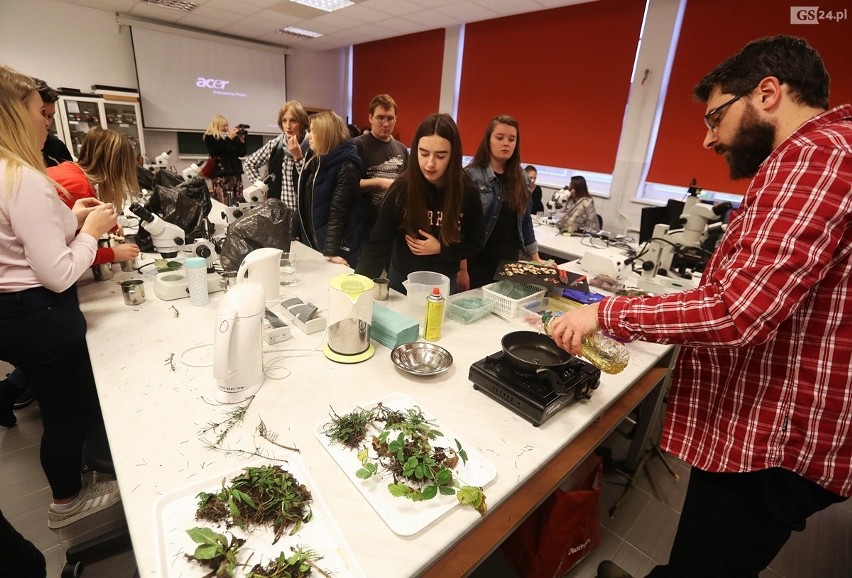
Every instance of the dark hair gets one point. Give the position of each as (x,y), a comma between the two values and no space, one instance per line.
(516,190)
(791,60)
(47,94)
(529,168)
(579,186)
(455,182)
(383,100)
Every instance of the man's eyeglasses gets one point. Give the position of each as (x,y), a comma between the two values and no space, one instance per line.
(713,118)
(381,119)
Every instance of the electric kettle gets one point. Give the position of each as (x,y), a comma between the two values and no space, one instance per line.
(350,311)
(237,343)
(262,266)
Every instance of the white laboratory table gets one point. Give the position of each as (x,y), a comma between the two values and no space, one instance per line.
(568,247)
(156,386)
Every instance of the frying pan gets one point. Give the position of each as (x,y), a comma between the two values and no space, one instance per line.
(536,353)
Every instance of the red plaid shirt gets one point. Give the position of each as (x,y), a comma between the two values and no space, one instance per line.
(764,378)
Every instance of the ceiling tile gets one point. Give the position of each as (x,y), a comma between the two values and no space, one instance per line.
(368,20)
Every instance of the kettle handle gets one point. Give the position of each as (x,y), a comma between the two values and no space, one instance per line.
(222,343)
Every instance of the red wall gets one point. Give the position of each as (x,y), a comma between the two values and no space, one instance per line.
(712,30)
(406,67)
(563,74)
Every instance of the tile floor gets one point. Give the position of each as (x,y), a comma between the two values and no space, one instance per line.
(637,537)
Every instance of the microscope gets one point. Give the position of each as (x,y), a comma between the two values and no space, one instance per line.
(169,240)
(192,171)
(254,195)
(161,162)
(555,208)
(698,223)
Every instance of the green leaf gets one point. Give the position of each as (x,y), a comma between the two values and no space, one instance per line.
(472,496)
(362,455)
(446,490)
(203,535)
(418,472)
(364,474)
(398,490)
(444,476)
(429,492)
(206,552)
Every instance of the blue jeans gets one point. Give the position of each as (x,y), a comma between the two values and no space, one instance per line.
(43,334)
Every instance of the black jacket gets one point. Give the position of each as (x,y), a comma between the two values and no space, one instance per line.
(387,239)
(330,211)
(227,153)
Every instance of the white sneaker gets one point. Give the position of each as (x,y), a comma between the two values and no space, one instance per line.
(93,498)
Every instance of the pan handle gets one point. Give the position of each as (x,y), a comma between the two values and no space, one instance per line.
(553,378)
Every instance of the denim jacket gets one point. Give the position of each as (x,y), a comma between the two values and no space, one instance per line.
(491,195)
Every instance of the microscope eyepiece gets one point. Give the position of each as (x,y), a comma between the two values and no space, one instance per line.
(141,212)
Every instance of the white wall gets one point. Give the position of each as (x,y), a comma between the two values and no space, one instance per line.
(66,45)
(319,79)
(76,47)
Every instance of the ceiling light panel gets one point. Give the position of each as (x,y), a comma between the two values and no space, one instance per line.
(325,5)
(299,32)
(173,4)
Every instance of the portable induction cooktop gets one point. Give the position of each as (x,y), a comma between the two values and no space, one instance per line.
(530,395)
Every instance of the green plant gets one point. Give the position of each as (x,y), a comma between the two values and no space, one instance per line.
(403,447)
(259,495)
(215,551)
(299,564)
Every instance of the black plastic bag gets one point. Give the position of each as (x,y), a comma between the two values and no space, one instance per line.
(184,206)
(267,225)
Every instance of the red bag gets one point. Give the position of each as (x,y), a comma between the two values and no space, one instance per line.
(562,531)
(207,169)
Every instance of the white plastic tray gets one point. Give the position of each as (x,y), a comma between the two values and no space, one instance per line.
(176,514)
(403,516)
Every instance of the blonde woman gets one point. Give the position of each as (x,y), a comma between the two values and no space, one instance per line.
(330,217)
(226,145)
(41,256)
(106,170)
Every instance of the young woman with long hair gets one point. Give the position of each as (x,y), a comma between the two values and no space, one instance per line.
(580,211)
(504,193)
(329,216)
(225,145)
(431,218)
(105,170)
(42,254)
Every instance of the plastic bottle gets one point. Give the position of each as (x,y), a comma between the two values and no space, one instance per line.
(606,354)
(196,279)
(434,315)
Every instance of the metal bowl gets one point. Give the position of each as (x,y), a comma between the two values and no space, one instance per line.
(419,358)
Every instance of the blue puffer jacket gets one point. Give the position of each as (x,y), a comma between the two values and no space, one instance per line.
(330,212)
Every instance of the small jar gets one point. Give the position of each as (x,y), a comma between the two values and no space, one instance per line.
(196,280)
(606,354)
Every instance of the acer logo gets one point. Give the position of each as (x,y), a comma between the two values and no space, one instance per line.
(211,83)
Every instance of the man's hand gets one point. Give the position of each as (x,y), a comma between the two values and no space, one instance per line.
(569,329)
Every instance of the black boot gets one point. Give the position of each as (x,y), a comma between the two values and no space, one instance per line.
(8,394)
(25,397)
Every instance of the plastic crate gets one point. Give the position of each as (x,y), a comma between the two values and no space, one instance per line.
(531,314)
(510,307)
(469,306)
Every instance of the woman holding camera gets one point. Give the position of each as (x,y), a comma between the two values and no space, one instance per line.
(226,145)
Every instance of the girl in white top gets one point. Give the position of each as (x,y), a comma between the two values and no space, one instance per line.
(42,330)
